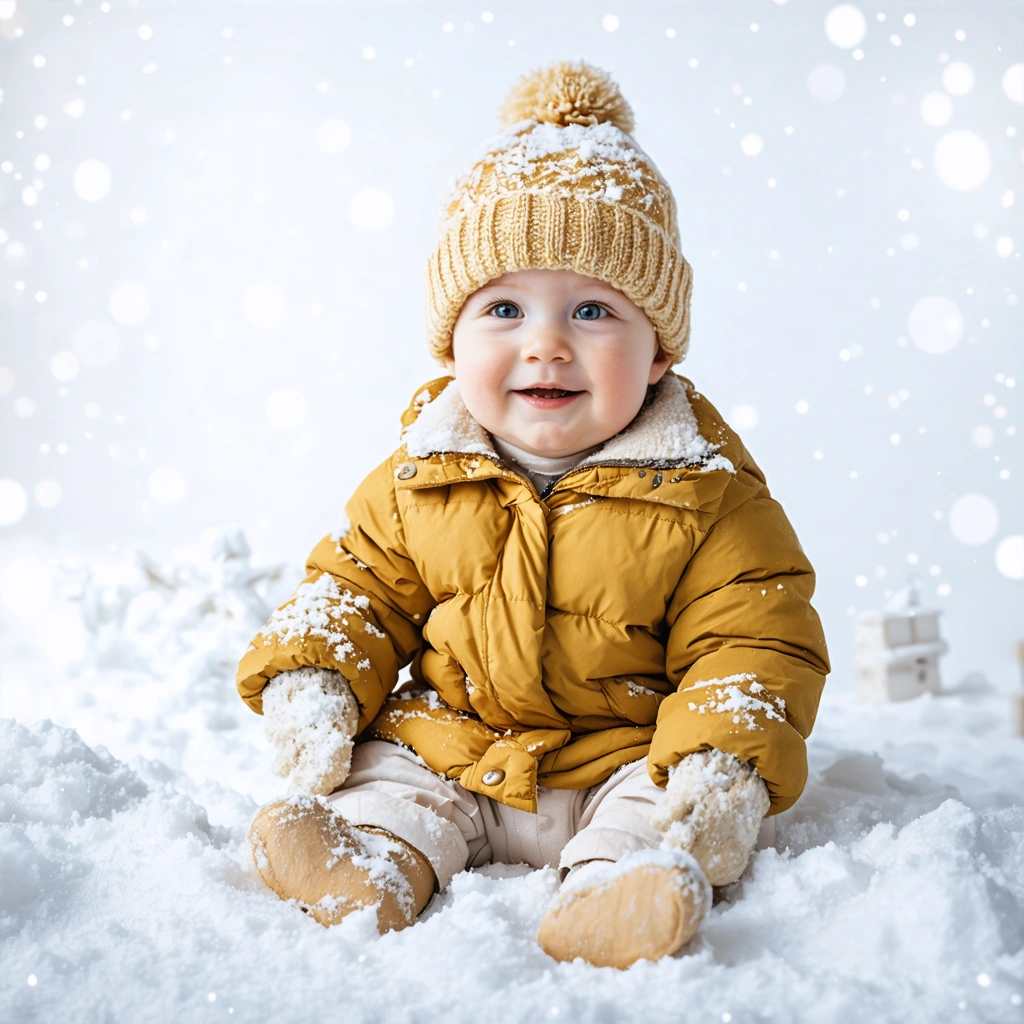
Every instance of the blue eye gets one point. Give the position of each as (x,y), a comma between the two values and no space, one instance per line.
(591,311)
(506,310)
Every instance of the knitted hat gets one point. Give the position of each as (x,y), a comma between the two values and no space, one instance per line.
(563,186)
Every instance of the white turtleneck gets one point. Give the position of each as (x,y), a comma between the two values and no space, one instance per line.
(541,470)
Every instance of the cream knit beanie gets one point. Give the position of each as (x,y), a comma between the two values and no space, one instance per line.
(563,186)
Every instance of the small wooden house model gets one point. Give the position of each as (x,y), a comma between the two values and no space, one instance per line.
(898,650)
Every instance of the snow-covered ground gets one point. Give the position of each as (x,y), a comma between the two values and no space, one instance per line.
(129,771)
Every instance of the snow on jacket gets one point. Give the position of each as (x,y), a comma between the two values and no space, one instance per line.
(656,602)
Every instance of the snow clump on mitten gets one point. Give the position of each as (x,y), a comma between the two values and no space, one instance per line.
(311,717)
(712,807)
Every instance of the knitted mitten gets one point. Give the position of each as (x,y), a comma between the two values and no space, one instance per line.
(712,808)
(306,852)
(310,718)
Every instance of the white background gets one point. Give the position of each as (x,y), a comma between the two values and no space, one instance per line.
(272,329)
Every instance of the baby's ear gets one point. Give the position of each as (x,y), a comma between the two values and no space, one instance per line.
(660,365)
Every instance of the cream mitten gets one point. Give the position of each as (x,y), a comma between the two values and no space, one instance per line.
(643,907)
(331,868)
(712,808)
(310,717)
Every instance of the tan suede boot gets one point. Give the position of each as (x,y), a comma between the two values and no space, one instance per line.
(644,907)
(306,852)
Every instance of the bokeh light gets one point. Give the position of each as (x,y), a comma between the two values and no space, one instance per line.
(935,324)
(826,83)
(1010,556)
(958,78)
(92,180)
(845,26)
(13,501)
(936,108)
(973,519)
(962,160)
(48,493)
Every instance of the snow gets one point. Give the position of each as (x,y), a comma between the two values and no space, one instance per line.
(315,610)
(597,160)
(311,717)
(894,889)
(446,425)
(731,699)
(714,806)
(597,874)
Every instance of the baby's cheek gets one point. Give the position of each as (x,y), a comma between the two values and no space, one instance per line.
(483,396)
(622,392)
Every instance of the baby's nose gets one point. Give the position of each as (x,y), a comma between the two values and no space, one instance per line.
(546,343)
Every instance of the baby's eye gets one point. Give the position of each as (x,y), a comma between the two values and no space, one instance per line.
(591,311)
(505,310)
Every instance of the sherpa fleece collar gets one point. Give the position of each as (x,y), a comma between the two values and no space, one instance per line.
(663,435)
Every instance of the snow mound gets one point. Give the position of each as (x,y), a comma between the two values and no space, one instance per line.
(49,776)
(160,641)
(893,890)
(183,618)
(133,907)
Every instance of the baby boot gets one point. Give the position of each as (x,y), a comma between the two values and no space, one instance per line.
(304,851)
(712,808)
(643,907)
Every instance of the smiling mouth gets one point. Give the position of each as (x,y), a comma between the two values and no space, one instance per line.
(547,392)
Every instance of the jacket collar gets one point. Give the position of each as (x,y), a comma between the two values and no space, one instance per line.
(662,446)
(664,434)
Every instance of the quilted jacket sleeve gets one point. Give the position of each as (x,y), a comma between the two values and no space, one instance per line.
(359,610)
(745,648)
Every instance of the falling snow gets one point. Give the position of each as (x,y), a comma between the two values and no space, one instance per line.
(211,296)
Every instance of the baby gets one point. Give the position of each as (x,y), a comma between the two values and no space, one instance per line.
(615,663)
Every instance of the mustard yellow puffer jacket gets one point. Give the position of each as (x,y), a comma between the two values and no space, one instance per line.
(655,602)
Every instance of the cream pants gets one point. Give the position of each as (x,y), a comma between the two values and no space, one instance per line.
(391,788)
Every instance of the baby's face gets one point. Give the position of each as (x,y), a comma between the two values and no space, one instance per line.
(553,362)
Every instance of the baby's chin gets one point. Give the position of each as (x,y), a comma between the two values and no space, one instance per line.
(553,444)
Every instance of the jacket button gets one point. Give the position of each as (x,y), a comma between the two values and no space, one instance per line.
(406,470)
(493,777)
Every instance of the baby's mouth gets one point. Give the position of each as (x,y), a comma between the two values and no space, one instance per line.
(547,392)
(548,399)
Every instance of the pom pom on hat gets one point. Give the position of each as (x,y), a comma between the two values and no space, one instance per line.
(566,93)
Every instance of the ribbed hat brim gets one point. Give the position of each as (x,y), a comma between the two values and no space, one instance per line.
(535,229)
